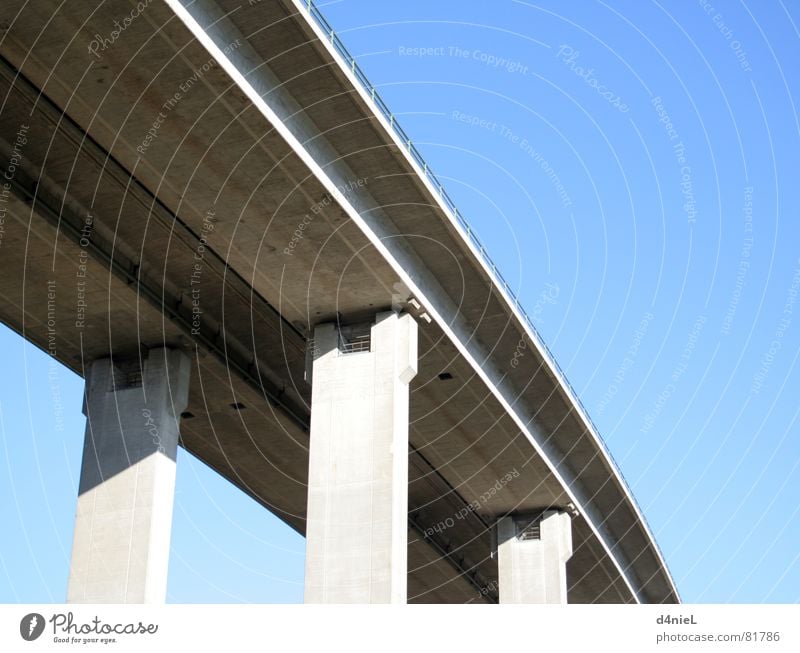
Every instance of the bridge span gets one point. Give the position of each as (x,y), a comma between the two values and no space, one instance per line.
(211,215)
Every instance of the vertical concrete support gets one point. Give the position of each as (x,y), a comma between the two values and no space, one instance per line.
(120,548)
(356,534)
(532,557)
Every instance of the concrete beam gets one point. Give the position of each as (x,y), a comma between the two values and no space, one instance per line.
(357,538)
(208,24)
(120,549)
(532,557)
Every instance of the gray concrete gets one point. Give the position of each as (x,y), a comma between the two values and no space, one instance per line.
(356,550)
(124,516)
(532,557)
(276,156)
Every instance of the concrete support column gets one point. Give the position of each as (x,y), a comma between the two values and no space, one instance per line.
(532,557)
(124,516)
(357,523)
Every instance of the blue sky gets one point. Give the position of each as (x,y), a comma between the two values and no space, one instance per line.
(634,159)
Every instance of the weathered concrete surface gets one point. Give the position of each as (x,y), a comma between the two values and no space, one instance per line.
(357,520)
(533,569)
(123,522)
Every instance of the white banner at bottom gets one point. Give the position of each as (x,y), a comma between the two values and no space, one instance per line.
(768,628)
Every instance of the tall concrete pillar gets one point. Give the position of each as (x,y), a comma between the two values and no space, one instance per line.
(357,523)
(532,557)
(120,548)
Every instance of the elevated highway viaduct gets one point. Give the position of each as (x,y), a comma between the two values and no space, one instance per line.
(210,215)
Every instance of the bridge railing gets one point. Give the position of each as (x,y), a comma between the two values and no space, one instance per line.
(336,42)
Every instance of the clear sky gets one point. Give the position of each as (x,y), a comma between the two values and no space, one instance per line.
(636,162)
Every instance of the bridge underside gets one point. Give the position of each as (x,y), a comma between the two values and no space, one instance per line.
(110,250)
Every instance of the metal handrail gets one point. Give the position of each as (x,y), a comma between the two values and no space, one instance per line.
(355,345)
(317,15)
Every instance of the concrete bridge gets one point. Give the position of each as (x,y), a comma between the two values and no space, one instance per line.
(210,214)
